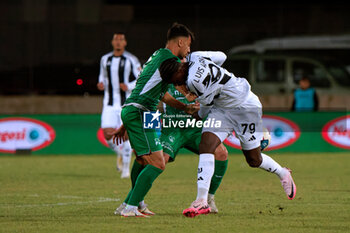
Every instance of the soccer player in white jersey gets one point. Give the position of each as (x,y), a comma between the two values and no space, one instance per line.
(118,72)
(228,99)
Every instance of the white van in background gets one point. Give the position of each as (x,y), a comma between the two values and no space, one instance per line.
(273,67)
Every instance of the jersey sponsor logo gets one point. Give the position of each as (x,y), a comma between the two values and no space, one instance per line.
(283,133)
(19,133)
(337,132)
(151,120)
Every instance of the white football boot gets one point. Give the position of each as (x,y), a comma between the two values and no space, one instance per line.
(288,184)
(132,212)
(211,203)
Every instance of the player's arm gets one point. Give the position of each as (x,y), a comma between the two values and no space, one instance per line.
(119,135)
(217,57)
(172,102)
(102,76)
(185,92)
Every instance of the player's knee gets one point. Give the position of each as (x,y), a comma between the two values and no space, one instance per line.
(156,159)
(206,147)
(209,143)
(162,166)
(221,153)
(159,164)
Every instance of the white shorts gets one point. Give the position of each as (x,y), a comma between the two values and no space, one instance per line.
(245,121)
(110,117)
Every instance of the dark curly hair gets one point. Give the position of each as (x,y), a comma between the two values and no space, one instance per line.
(178,30)
(168,68)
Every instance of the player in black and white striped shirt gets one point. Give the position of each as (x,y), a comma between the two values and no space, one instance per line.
(118,72)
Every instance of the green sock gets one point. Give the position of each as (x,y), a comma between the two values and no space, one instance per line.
(143,184)
(219,172)
(135,171)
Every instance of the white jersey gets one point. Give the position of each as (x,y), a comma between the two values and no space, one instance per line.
(115,70)
(226,99)
(214,85)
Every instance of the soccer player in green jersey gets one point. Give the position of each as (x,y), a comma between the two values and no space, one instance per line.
(175,138)
(150,89)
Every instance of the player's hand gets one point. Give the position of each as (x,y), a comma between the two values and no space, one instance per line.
(123,86)
(100,86)
(119,135)
(192,108)
(191,96)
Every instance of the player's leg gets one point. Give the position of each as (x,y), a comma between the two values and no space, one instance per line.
(207,147)
(126,152)
(221,163)
(155,166)
(137,167)
(109,122)
(209,143)
(249,130)
(148,147)
(211,138)
(172,141)
(255,158)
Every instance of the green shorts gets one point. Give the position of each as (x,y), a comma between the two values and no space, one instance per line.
(174,139)
(143,141)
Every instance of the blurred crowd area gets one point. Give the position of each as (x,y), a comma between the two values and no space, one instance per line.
(52,48)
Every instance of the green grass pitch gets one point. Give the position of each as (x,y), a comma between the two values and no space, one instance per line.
(79,194)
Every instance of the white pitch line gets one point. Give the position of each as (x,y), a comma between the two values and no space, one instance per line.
(101,199)
(290,204)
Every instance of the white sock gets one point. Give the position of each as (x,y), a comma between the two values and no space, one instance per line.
(270,165)
(126,153)
(205,172)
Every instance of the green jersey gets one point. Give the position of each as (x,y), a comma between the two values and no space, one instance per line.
(150,87)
